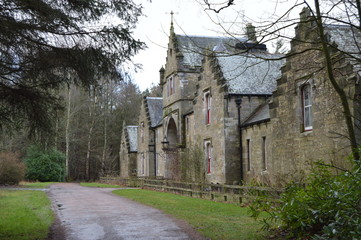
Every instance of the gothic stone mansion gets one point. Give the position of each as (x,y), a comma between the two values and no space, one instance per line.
(232,112)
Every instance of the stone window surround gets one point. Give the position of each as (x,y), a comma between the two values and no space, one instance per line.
(208,149)
(170,85)
(264,154)
(207,105)
(300,90)
(248,154)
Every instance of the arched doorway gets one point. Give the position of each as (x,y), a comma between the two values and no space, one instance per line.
(172,164)
(172,133)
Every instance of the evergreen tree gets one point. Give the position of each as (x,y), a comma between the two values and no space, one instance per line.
(47,44)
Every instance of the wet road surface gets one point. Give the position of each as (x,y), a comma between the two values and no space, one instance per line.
(95,213)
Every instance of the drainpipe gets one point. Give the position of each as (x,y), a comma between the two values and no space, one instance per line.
(155,152)
(238,103)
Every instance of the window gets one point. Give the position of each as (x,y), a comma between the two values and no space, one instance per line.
(142,131)
(208,153)
(248,155)
(143,163)
(264,160)
(171,86)
(307,107)
(207,106)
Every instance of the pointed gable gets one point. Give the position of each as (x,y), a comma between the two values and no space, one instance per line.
(250,73)
(154,109)
(131,138)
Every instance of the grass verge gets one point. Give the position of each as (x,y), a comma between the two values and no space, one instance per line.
(212,219)
(98,185)
(35,184)
(25,215)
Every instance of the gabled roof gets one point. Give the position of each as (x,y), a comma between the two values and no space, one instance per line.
(348,40)
(154,109)
(251,72)
(193,47)
(260,115)
(131,138)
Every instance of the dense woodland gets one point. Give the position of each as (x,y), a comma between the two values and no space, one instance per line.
(62,83)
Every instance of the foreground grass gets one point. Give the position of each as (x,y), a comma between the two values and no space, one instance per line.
(212,219)
(25,215)
(99,185)
(35,184)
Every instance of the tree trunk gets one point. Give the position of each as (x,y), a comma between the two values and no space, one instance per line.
(341,93)
(90,132)
(67,135)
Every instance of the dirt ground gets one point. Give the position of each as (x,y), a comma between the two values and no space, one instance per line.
(84,213)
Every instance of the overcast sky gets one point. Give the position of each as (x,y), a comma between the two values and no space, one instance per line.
(189,18)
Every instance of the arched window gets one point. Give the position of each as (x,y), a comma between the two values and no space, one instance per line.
(307,107)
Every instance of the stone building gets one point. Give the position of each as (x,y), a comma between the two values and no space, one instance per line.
(201,82)
(233,112)
(128,152)
(304,120)
(148,139)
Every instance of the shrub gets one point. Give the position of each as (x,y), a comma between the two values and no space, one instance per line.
(328,207)
(12,170)
(44,165)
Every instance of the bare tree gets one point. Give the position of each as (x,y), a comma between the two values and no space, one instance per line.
(324,14)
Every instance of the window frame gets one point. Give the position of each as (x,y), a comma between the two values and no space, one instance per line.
(307,121)
(264,154)
(207,107)
(208,153)
(248,141)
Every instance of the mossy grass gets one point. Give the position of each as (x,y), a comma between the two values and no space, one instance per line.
(25,215)
(213,220)
(35,184)
(98,185)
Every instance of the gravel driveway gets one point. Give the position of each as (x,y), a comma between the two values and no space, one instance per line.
(85,213)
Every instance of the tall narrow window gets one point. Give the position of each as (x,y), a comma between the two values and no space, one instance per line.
(207,99)
(143,163)
(264,160)
(307,107)
(248,155)
(170,86)
(142,131)
(208,156)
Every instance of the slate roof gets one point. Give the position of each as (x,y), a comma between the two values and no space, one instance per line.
(347,40)
(260,115)
(194,47)
(251,73)
(131,138)
(154,108)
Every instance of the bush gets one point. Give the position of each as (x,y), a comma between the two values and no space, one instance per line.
(12,170)
(328,207)
(44,166)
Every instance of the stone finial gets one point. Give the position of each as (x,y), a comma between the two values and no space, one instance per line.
(305,13)
(161,75)
(251,32)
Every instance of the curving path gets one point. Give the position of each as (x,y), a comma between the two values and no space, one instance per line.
(95,213)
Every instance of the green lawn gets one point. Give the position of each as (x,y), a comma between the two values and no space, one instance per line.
(35,184)
(99,185)
(212,219)
(24,215)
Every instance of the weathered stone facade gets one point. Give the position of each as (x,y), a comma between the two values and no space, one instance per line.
(230,118)
(149,153)
(283,141)
(128,152)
